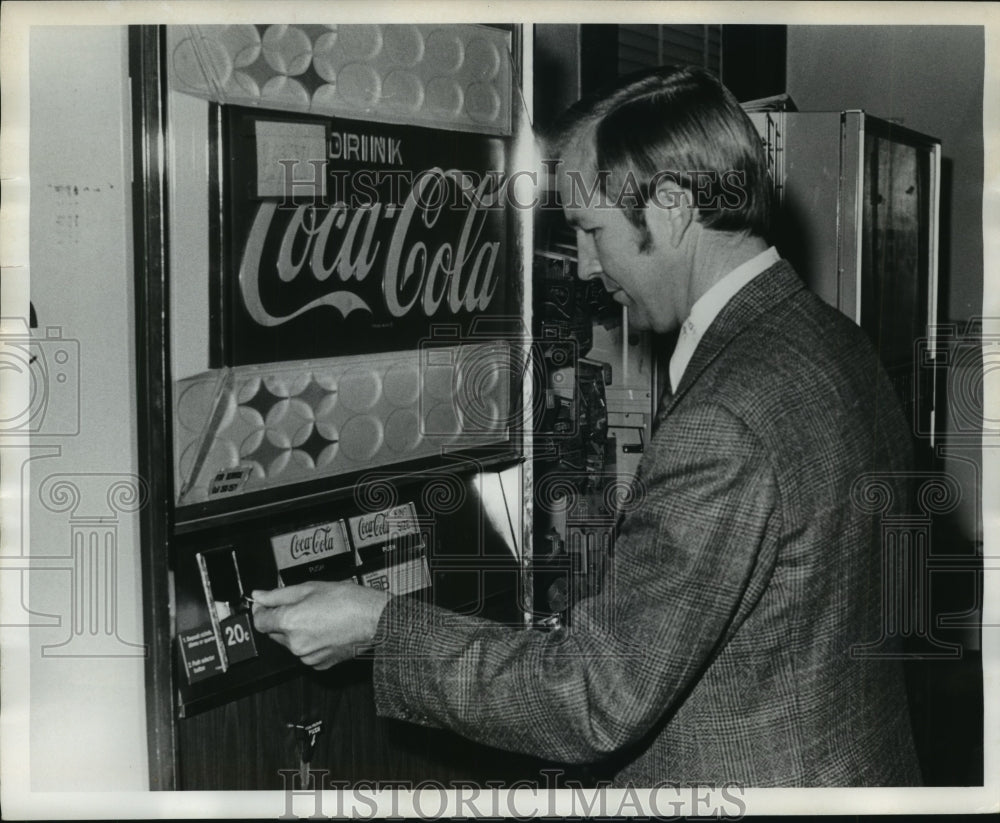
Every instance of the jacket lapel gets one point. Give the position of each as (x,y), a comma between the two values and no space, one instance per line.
(758,297)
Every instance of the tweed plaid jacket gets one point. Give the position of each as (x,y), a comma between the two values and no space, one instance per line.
(720,647)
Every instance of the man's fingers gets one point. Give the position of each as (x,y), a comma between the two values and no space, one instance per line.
(285,596)
(318,622)
(322,659)
(268,620)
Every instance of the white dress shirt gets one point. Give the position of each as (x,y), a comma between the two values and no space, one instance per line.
(708,306)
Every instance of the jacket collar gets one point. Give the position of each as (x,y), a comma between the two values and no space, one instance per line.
(776,284)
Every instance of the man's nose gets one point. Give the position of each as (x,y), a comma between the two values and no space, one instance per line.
(588,265)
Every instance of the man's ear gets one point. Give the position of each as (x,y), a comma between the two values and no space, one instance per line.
(669,212)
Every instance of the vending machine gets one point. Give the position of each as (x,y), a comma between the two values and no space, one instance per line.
(333,313)
(858,203)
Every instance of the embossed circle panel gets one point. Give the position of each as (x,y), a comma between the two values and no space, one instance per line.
(326,407)
(403,90)
(444,51)
(287,384)
(482,60)
(326,379)
(359,389)
(191,63)
(403,44)
(360,42)
(401,384)
(327,456)
(285,90)
(480,369)
(246,431)
(444,97)
(482,103)
(194,405)
(247,389)
(289,423)
(360,438)
(242,85)
(439,381)
(325,98)
(287,49)
(290,462)
(422,74)
(328,56)
(326,429)
(441,423)
(358,85)
(402,430)
(242,43)
(222,455)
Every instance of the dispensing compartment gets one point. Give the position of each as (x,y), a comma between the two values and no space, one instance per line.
(449,537)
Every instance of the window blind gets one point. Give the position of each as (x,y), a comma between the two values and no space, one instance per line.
(648,45)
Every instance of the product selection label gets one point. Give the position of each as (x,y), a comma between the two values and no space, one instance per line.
(381,527)
(400,578)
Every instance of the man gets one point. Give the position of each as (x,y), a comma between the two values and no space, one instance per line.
(721,647)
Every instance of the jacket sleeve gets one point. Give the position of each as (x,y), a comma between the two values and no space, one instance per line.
(684,559)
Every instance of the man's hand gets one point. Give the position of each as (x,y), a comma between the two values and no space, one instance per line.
(321,623)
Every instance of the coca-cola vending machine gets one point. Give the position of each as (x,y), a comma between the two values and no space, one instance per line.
(332,324)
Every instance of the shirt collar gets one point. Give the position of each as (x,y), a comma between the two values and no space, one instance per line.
(708,306)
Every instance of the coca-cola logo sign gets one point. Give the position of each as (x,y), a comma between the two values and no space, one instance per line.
(305,545)
(375,256)
(337,245)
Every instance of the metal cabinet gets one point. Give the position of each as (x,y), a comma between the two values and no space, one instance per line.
(323,348)
(857,216)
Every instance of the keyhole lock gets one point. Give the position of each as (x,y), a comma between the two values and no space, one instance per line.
(305,737)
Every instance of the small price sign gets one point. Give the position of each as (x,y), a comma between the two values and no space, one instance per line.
(237,637)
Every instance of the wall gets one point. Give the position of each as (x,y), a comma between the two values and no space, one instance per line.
(87,708)
(927,78)
(556,71)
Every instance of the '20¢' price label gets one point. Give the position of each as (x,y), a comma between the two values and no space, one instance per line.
(237,638)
